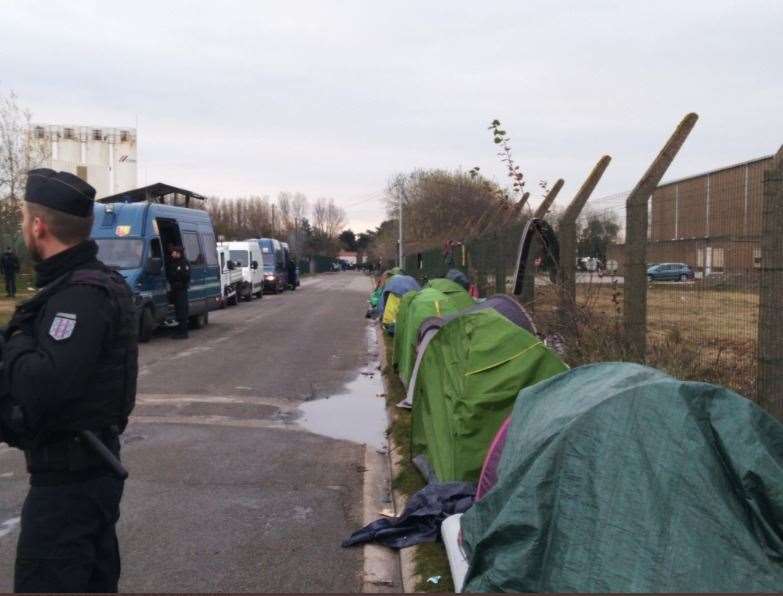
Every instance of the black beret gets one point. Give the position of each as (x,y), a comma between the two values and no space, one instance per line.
(60,191)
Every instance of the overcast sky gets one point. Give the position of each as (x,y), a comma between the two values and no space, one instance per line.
(332,98)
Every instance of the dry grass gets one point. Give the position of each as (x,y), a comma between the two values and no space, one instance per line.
(694,332)
(8,305)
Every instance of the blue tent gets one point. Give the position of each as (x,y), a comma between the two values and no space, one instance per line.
(400,285)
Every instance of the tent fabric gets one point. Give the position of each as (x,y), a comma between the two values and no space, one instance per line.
(390,310)
(468,380)
(502,303)
(415,308)
(453,290)
(489,471)
(457,276)
(398,285)
(619,478)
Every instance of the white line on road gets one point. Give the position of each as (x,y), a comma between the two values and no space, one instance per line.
(9,525)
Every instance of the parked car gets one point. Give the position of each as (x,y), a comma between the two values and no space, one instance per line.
(246,254)
(670,272)
(232,281)
(134,237)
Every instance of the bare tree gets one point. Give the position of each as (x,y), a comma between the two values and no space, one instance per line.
(328,218)
(19,153)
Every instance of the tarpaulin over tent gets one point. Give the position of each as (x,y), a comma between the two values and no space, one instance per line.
(453,290)
(469,377)
(619,478)
(414,309)
(398,285)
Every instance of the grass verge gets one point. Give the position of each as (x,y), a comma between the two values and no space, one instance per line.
(430,559)
(8,305)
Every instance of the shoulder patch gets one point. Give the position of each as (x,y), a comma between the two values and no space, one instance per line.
(62,326)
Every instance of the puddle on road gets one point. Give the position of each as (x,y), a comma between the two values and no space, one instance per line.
(358,413)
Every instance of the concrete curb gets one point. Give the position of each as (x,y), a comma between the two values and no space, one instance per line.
(407,555)
(381,571)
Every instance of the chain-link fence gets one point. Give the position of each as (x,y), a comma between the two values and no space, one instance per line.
(705,269)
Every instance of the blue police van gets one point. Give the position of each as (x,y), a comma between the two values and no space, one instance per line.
(134,231)
(275,272)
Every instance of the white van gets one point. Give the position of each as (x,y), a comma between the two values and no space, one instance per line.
(233,286)
(247,255)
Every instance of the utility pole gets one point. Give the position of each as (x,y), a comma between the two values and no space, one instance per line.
(401,186)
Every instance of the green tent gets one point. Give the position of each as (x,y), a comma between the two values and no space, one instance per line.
(414,309)
(619,478)
(456,292)
(470,375)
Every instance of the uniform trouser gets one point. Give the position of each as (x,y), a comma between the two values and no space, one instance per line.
(180,300)
(68,541)
(10,285)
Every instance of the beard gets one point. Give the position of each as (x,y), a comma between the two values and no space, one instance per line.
(32,248)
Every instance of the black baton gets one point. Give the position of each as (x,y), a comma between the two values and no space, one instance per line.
(101,450)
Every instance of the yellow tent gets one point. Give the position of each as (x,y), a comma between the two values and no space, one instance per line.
(391,309)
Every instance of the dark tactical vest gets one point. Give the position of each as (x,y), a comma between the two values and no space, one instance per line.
(111,391)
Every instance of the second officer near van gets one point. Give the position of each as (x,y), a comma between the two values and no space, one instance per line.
(178,274)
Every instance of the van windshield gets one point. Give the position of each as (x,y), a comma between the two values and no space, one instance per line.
(120,253)
(240,257)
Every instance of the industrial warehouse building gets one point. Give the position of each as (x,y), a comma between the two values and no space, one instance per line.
(104,157)
(711,221)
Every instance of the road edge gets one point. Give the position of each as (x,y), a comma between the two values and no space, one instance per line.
(407,564)
(382,569)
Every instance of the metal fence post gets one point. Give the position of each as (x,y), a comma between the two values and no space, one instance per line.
(567,235)
(635,280)
(528,293)
(770,333)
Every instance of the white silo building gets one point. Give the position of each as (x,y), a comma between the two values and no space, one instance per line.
(104,157)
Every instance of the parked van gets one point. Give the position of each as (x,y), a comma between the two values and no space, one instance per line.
(134,237)
(247,255)
(275,273)
(232,282)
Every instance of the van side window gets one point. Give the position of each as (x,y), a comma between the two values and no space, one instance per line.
(210,248)
(192,248)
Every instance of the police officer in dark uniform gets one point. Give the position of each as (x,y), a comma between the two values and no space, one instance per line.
(9,264)
(70,365)
(178,274)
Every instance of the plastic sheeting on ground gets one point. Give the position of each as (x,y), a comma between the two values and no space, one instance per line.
(619,478)
(420,520)
(467,383)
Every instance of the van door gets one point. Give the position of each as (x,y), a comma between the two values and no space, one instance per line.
(156,284)
(194,254)
(212,283)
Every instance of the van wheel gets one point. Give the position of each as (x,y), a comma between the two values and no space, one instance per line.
(146,325)
(683,277)
(199,321)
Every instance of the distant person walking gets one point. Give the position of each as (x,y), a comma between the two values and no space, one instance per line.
(9,263)
(178,273)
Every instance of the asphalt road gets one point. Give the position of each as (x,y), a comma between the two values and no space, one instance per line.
(228,491)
